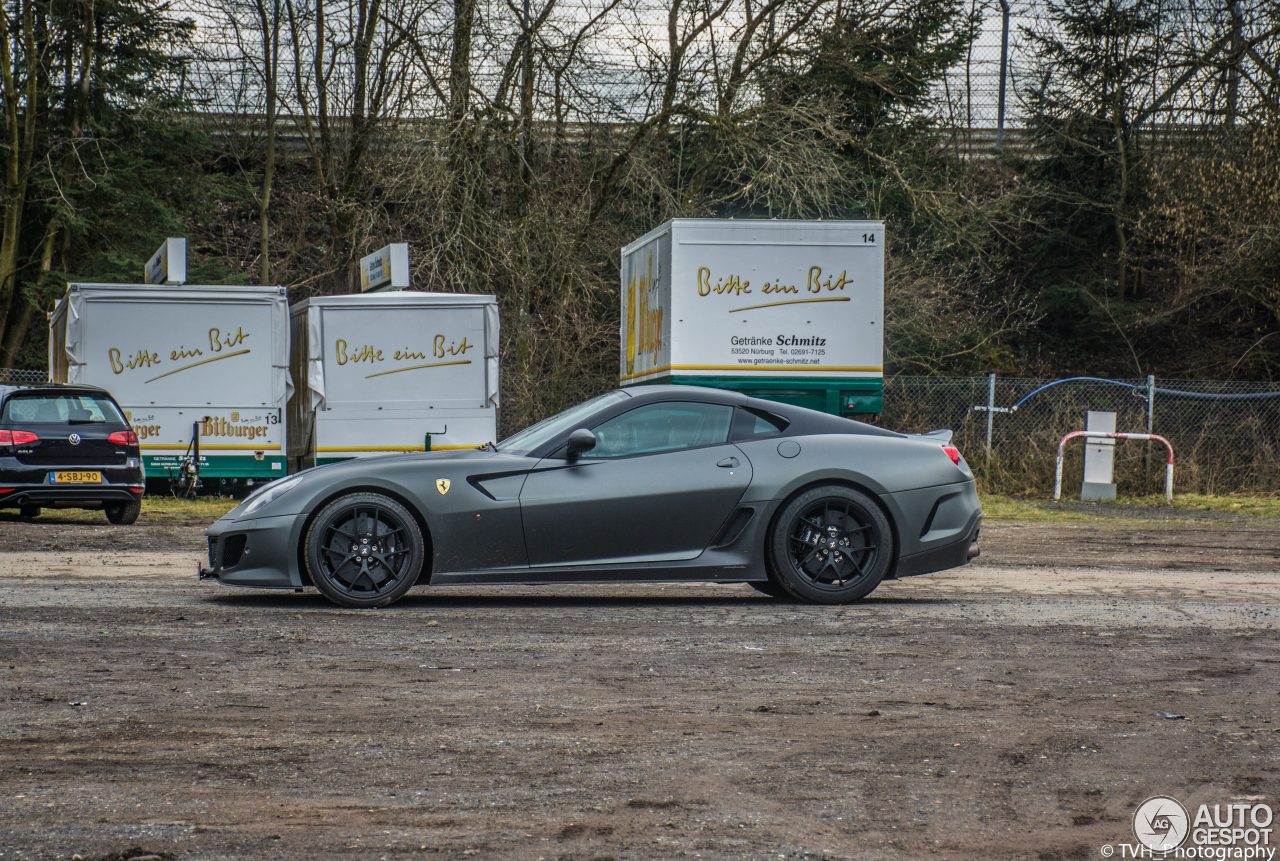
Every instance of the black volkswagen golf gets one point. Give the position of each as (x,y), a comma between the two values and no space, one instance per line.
(65,446)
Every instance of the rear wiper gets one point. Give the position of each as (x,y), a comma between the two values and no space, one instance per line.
(85,422)
(488,447)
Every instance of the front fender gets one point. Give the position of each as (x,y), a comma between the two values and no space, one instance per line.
(466,504)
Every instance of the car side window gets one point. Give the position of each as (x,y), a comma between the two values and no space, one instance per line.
(752,424)
(662,427)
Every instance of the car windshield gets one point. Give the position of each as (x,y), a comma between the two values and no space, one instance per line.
(61,408)
(549,428)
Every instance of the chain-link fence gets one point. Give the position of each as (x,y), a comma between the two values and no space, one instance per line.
(1205,56)
(1225,435)
(22,376)
(606,61)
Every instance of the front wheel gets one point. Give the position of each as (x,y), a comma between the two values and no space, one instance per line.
(364,550)
(831,545)
(123,513)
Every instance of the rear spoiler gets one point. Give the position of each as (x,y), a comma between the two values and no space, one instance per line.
(942,435)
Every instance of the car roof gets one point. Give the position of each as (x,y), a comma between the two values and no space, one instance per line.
(801,420)
(51,388)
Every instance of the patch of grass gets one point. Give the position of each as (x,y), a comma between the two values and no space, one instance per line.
(1140,508)
(996,507)
(203,510)
(1252,506)
(157,509)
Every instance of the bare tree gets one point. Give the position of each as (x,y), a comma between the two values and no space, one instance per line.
(270,19)
(351,77)
(20,85)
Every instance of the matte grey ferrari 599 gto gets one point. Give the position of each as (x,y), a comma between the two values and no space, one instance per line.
(649,484)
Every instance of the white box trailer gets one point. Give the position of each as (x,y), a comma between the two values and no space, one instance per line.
(787,310)
(391,372)
(216,357)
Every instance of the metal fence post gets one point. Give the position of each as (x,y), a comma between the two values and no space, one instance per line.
(991,408)
(1004,74)
(1151,402)
(1151,418)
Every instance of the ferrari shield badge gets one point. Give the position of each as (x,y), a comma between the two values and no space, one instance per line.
(442,485)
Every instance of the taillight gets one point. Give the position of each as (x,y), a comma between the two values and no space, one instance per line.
(953,453)
(122,438)
(8,437)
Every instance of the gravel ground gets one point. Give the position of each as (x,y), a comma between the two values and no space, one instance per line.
(1005,709)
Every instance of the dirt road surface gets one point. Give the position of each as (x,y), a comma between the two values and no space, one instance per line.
(1006,709)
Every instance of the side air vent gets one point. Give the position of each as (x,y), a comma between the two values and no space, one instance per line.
(733,527)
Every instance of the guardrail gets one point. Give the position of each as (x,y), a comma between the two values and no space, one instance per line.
(1057,467)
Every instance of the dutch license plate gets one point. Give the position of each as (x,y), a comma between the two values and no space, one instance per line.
(77,477)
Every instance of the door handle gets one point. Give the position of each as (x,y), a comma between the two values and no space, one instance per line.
(728,463)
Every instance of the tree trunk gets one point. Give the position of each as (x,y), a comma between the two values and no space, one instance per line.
(269,21)
(1122,200)
(17,333)
(20,131)
(464,14)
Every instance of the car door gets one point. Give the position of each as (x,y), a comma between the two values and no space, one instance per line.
(660,483)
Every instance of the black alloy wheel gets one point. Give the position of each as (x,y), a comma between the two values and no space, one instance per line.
(364,550)
(831,545)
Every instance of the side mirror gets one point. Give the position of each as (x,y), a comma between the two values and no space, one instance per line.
(580,441)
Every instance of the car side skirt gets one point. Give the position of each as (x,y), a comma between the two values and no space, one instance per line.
(614,574)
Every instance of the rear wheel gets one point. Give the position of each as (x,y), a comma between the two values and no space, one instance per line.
(831,545)
(123,513)
(364,550)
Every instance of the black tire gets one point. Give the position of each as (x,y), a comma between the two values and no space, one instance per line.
(364,550)
(831,545)
(770,588)
(123,513)
(29,512)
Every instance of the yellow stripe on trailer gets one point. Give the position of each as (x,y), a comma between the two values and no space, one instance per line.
(747,369)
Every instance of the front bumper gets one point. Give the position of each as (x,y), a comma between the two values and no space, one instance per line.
(260,552)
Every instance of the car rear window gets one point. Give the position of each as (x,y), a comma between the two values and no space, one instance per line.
(61,408)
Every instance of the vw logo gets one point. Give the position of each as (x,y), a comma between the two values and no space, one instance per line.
(74,439)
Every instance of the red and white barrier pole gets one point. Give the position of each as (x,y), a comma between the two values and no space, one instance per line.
(1168,467)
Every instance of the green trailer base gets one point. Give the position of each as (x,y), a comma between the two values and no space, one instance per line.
(219,466)
(835,395)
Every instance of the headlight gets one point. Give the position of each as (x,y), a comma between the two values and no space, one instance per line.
(265,494)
